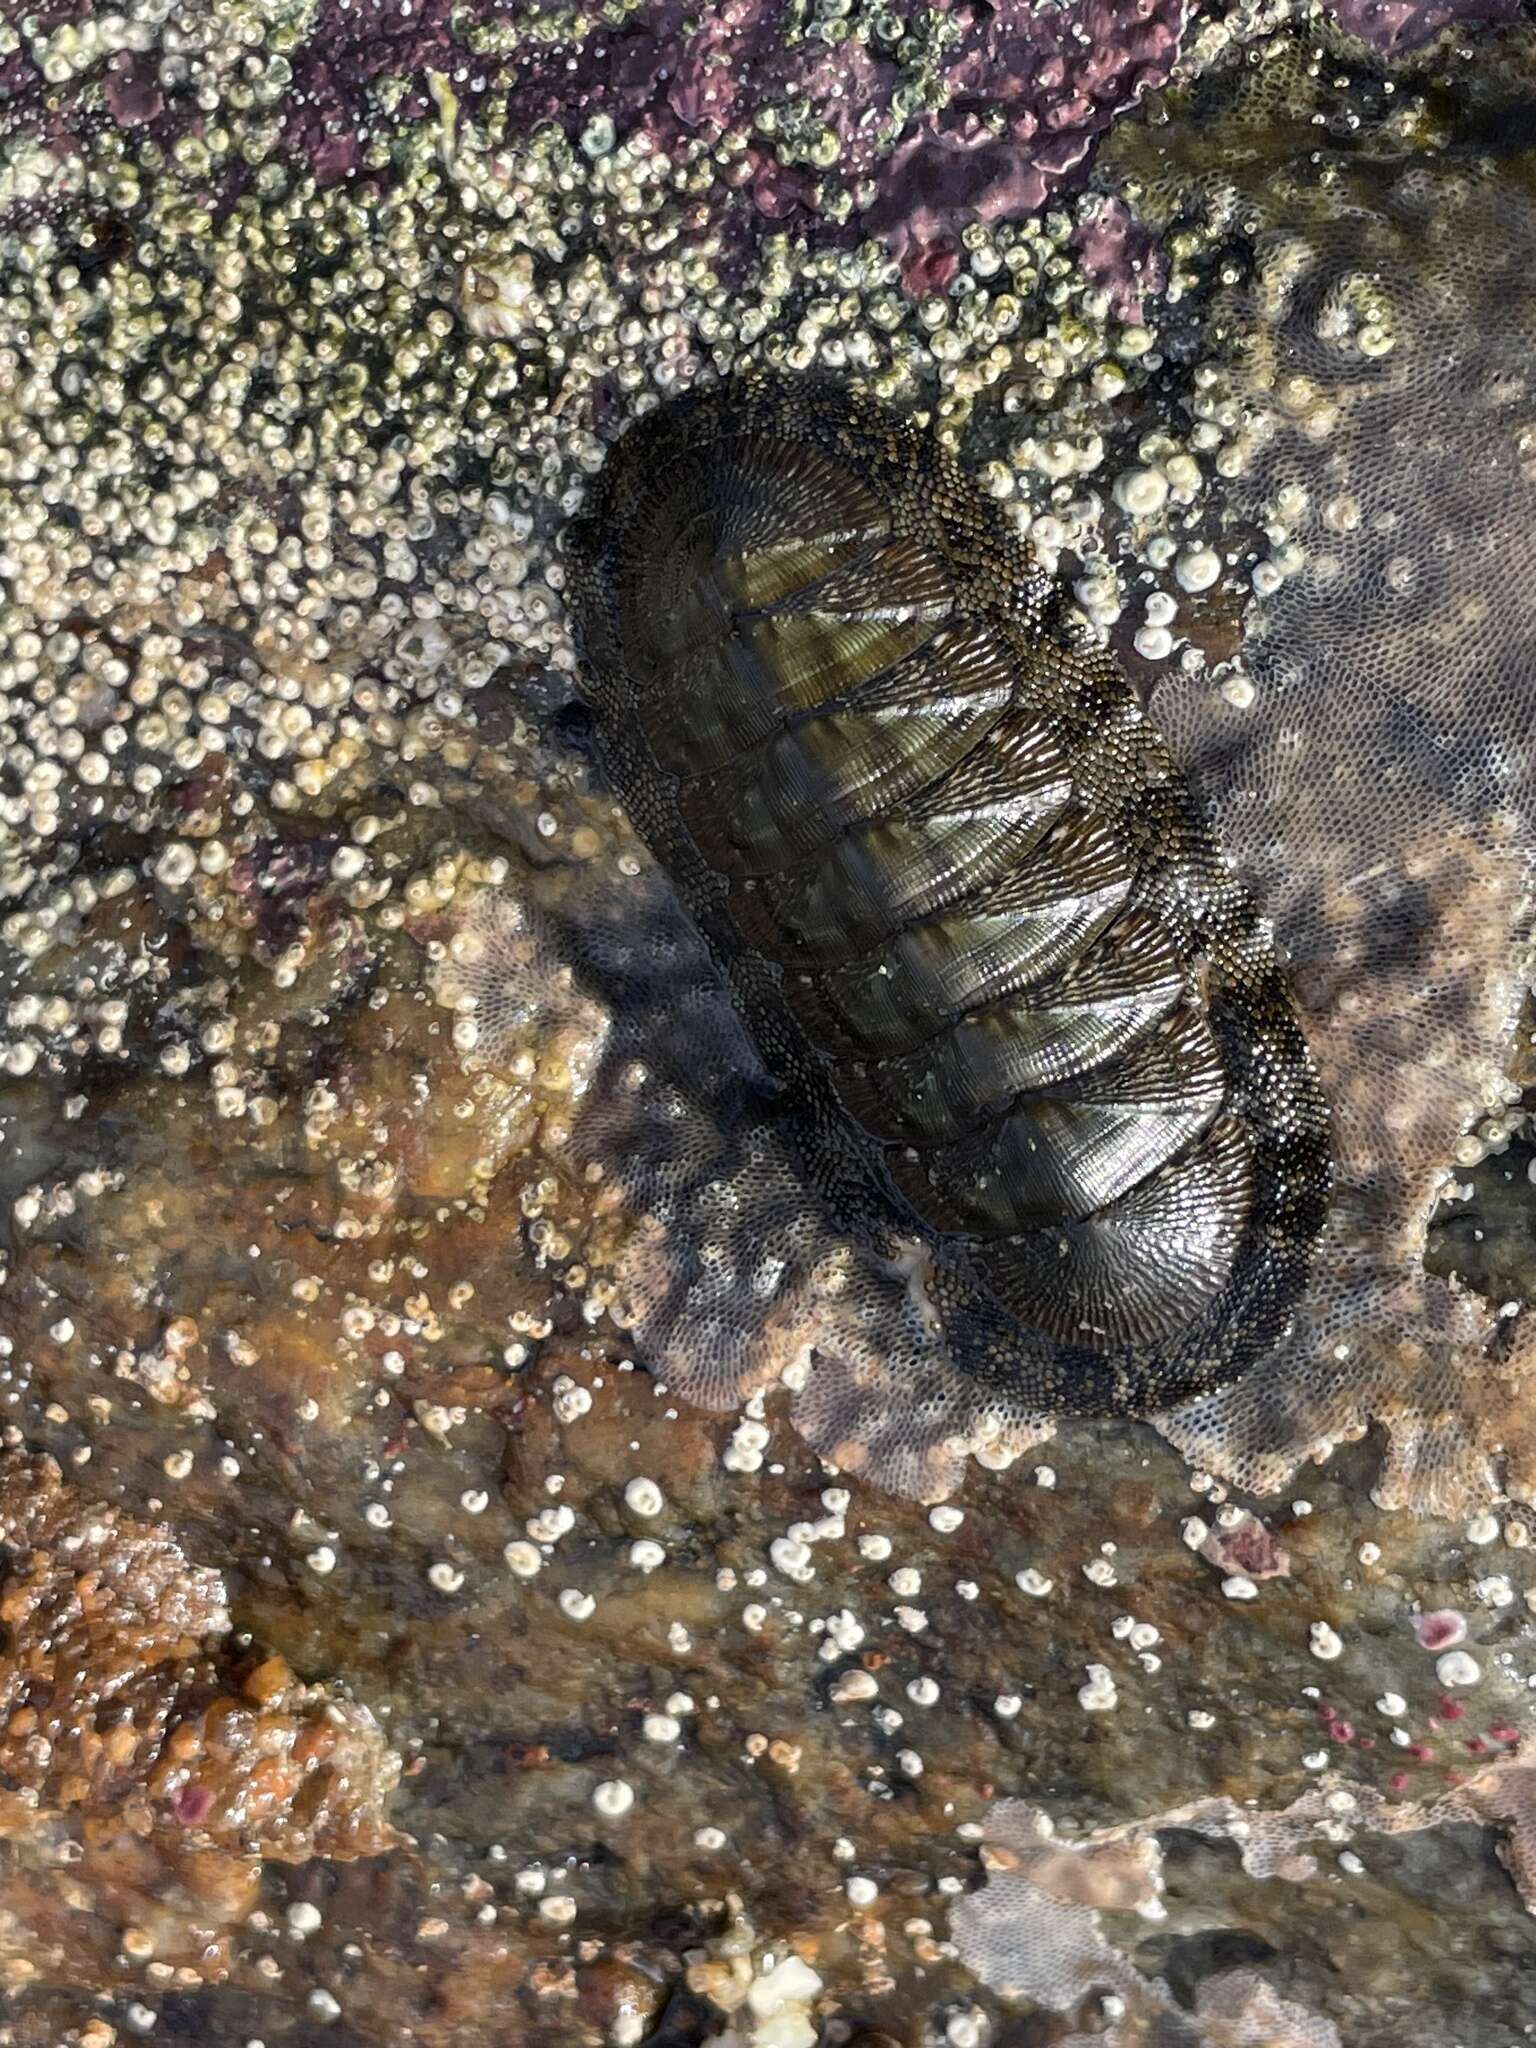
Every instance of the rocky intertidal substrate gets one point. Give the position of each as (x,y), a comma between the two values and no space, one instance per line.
(386,1655)
(675,1704)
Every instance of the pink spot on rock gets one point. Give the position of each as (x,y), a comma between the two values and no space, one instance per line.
(132,90)
(1250,1547)
(705,83)
(1121,254)
(192,1804)
(334,157)
(929,267)
(1441,1629)
(776,190)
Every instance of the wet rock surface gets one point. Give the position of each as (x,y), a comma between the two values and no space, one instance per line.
(386,1655)
(664,1721)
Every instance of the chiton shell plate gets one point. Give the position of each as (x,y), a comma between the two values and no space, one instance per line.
(1020,1009)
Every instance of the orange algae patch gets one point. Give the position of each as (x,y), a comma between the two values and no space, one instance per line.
(151,1769)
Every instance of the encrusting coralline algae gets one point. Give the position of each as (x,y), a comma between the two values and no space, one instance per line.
(462,1678)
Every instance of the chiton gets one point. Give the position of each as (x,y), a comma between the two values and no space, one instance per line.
(1021,1011)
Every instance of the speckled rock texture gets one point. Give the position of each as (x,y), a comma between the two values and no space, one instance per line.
(389,1654)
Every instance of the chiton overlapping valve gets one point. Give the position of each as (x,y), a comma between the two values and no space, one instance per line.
(976,925)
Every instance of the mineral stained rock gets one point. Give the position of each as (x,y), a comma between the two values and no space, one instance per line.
(389,1654)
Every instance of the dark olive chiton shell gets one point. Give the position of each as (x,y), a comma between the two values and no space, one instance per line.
(969,910)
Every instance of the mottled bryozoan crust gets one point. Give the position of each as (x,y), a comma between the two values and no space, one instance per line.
(1022,1015)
